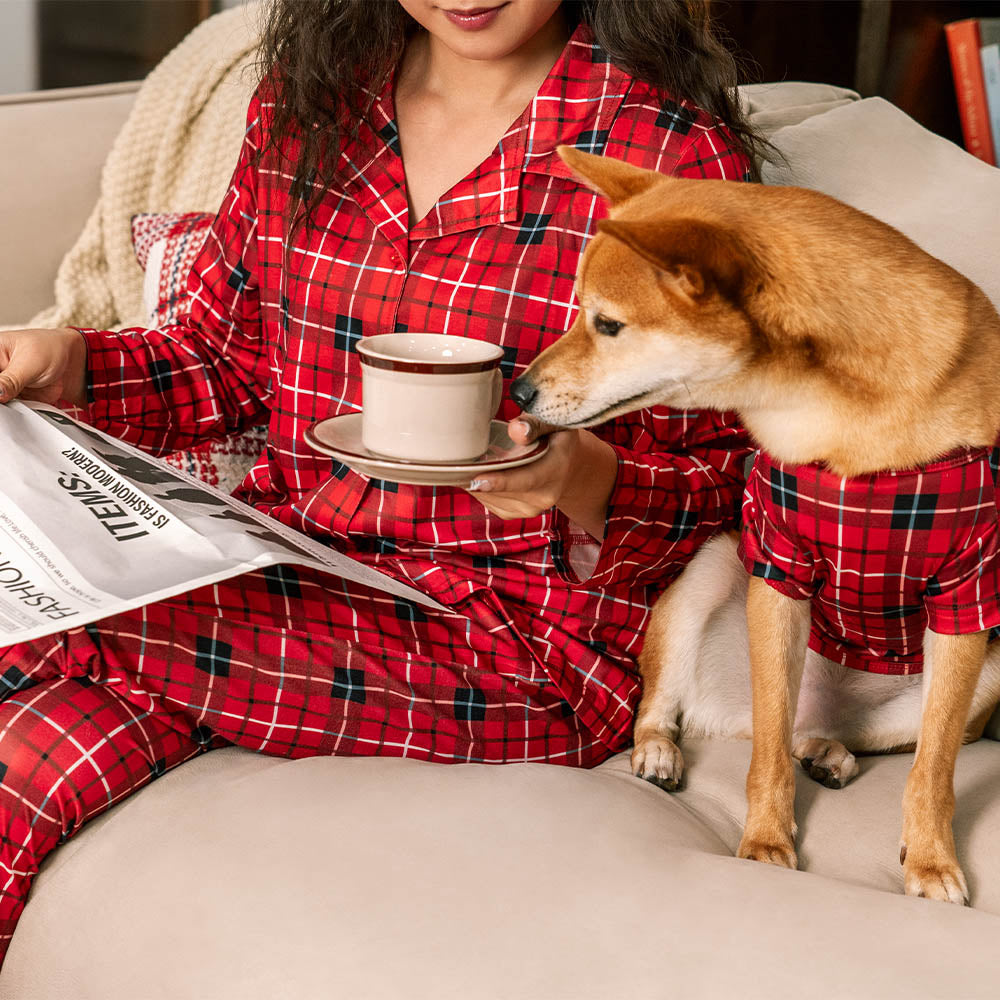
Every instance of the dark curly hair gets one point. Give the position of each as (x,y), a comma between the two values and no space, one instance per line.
(312,49)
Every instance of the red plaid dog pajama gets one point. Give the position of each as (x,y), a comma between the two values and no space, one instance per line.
(529,662)
(882,557)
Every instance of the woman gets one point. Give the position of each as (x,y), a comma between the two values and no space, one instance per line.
(428,197)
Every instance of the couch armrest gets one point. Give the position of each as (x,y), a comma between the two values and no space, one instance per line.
(55,143)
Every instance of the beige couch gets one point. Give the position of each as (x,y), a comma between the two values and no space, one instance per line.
(241,877)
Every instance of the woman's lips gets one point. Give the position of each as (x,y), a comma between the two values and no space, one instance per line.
(474,18)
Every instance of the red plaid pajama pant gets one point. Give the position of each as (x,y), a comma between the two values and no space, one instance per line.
(285,662)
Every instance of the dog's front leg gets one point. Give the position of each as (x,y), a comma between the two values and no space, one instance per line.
(779,633)
(927,845)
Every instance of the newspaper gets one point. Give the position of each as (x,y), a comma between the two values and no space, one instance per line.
(90,526)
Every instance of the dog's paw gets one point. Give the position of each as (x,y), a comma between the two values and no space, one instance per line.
(944,881)
(756,849)
(826,761)
(658,760)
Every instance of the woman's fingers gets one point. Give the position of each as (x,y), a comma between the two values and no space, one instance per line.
(529,489)
(577,474)
(524,429)
(45,365)
(20,365)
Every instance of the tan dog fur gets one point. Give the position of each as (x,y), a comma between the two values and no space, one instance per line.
(837,340)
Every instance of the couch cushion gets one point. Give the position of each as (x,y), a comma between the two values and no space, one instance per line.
(239,876)
(851,834)
(873,156)
(771,106)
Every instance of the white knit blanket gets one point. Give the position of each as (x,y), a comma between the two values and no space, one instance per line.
(176,152)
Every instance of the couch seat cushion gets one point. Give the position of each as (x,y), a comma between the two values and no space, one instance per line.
(240,877)
(851,834)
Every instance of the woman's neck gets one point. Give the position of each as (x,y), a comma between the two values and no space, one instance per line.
(433,70)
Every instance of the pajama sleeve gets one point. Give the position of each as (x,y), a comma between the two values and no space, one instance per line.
(208,375)
(680,473)
(769,546)
(679,481)
(963,597)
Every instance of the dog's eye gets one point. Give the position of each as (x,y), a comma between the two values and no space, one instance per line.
(607,327)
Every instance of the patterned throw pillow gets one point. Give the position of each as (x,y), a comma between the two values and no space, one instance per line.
(166,245)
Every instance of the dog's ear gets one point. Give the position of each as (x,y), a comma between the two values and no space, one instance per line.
(694,257)
(614,179)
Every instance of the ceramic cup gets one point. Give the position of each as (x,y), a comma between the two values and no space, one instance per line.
(428,397)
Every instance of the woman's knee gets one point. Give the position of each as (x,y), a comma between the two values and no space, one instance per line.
(70,654)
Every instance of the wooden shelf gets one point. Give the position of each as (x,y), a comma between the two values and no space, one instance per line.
(895,50)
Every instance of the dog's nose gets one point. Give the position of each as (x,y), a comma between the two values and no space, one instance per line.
(523,392)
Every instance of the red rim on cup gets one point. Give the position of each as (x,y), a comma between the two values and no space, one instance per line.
(439,355)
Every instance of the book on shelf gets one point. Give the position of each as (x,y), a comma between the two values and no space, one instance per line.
(990,58)
(989,53)
(966,40)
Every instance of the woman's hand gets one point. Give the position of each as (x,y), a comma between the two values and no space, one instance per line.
(576,475)
(43,365)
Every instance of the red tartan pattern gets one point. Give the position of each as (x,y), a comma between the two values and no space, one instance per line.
(178,237)
(882,557)
(529,663)
(275,319)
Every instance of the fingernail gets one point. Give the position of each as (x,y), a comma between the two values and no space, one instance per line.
(480,485)
(525,426)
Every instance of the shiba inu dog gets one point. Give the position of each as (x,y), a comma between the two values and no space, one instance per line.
(868,372)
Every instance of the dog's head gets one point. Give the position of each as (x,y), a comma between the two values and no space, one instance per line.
(833,336)
(661,289)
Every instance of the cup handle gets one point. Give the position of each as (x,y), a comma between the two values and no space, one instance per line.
(497,392)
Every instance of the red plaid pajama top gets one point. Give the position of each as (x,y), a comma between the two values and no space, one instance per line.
(882,557)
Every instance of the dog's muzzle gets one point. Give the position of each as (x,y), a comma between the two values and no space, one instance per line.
(524,392)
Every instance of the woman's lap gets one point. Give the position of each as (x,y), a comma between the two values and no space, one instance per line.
(295,663)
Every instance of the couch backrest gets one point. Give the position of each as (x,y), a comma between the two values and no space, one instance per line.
(55,143)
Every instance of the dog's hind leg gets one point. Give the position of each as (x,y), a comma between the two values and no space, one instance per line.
(842,712)
(827,761)
(987,695)
(870,713)
(671,661)
(821,703)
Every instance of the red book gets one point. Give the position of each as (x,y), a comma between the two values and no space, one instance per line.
(970,88)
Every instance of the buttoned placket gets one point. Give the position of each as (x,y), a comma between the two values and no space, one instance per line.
(373,175)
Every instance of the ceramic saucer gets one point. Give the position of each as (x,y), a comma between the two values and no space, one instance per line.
(340,437)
